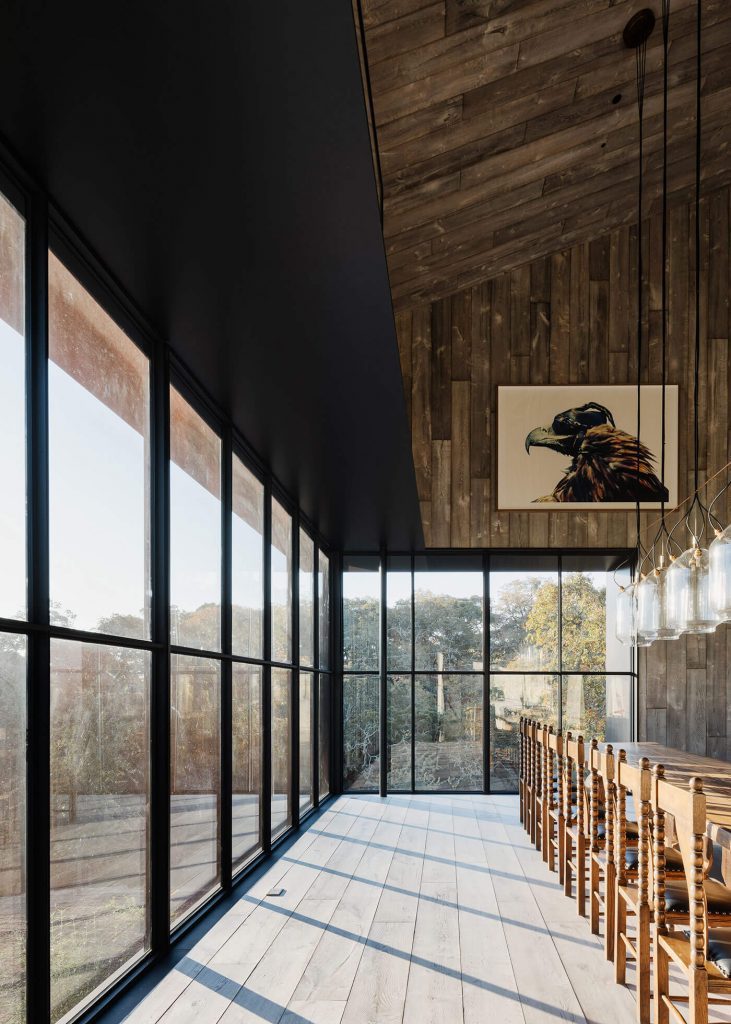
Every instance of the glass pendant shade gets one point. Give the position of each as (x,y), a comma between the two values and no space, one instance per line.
(648,607)
(689,593)
(626,621)
(677,588)
(719,571)
(665,630)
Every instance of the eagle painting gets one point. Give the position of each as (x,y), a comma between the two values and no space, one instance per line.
(604,460)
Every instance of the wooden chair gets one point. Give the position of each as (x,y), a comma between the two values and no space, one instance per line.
(701,951)
(544,787)
(574,857)
(632,895)
(527,773)
(530,787)
(521,768)
(555,816)
(602,869)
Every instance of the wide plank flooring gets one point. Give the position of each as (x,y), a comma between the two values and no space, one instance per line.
(414,909)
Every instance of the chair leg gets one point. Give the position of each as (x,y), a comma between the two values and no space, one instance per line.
(550,849)
(533,812)
(568,850)
(594,872)
(545,831)
(660,982)
(561,833)
(620,950)
(610,904)
(580,857)
(642,945)
(698,1002)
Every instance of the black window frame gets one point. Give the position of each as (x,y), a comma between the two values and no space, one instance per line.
(612,558)
(46,229)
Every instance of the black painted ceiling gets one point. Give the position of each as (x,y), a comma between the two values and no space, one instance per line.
(216,157)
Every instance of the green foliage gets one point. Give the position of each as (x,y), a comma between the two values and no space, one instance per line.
(524,636)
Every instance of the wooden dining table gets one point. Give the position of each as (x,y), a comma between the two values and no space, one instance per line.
(680,767)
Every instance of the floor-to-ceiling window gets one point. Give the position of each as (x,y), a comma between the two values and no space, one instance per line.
(99,573)
(161,690)
(361,672)
(553,653)
(13,646)
(196,462)
(472,642)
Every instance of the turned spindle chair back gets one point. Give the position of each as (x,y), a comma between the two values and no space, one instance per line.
(534,778)
(702,953)
(555,817)
(544,790)
(528,758)
(602,870)
(633,889)
(521,768)
(575,820)
(693,915)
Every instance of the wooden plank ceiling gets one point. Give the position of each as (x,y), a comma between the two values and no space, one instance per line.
(507,129)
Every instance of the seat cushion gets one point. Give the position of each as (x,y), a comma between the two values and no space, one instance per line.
(673,859)
(719,949)
(632,829)
(718,897)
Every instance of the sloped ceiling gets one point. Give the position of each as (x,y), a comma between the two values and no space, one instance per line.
(507,129)
(216,157)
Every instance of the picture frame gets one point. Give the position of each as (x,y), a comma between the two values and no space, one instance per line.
(575,447)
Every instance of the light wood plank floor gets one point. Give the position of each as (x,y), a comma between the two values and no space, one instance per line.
(413,909)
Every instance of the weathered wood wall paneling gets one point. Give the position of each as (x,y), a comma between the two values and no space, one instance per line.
(571,317)
(507,129)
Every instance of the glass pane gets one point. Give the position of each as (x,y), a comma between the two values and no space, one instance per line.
(195,528)
(324,736)
(448,620)
(99,444)
(323,592)
(195,781)
(398,620)
(512,696)
(361,614)
(281,583)
(246,757)
(100,790)
(618,657)
(584,620)
(12,831)
(361,742)
(448,727)
(305,740)
(12,412)
(247,579)
(598,706)
(281,749)
(524,620)
(399,732)
(307,599)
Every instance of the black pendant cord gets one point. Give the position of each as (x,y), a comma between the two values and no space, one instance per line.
(662,540)
(641,59)
(697,513)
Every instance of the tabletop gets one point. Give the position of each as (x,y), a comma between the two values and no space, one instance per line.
(680,767)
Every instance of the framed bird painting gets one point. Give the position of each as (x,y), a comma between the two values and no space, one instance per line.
(576,446)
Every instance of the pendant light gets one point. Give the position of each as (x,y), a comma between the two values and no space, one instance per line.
(652,591)
(626,617)
(639,598)
(688,578)
(719,558)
